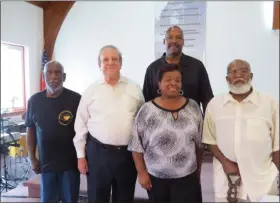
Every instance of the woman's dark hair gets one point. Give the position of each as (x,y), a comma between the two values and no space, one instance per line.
(168,67)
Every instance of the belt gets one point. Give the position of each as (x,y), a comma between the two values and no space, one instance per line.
(108,146)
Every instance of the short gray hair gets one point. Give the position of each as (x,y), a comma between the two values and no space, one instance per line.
(238,61)
(111,47)
(56,63)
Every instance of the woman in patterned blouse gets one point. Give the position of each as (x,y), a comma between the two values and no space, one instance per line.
(166,140)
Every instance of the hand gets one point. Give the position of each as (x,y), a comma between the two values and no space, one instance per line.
(83,166)
(35,166)
(144,180)
(230,168)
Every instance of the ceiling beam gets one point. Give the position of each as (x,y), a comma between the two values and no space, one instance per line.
(276,10)
(54,13)
(41,4)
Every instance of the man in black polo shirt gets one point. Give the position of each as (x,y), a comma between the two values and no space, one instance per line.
(195,81)
(50,120)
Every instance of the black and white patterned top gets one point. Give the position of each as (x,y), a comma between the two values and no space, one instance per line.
(168,144)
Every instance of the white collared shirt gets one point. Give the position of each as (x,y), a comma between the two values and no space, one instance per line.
(246,133)
(107,113)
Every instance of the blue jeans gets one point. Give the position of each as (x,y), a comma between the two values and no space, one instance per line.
(56,186)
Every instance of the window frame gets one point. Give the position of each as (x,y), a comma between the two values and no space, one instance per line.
(18,110)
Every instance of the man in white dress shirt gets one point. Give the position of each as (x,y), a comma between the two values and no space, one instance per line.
(241,129)
(103,129)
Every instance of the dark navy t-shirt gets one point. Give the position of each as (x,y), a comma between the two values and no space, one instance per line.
(54,119)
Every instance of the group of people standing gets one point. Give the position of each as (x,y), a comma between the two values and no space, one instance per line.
(116,132)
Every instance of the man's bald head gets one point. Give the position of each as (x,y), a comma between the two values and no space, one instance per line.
(53,63)
(238,63)
(174,27)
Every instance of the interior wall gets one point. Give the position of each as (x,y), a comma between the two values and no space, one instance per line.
(22,24)
(234,30)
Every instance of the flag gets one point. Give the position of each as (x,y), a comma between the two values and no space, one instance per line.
(44,61)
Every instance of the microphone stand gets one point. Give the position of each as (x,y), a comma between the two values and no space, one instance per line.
(4,181)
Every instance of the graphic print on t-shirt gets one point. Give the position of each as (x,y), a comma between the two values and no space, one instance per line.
(65,117)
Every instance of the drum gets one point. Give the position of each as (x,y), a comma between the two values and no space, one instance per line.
(19,151)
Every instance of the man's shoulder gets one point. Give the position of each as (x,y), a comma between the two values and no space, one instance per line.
(133,88)
(192,60)
(218,99)
(130,82)
(266,98)
(72,93)
(89,90)
(95,84)
(37,96)
(155,64)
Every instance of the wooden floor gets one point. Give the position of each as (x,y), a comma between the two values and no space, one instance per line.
(20,194)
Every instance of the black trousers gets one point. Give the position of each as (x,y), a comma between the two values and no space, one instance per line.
(109,167)
(186,189)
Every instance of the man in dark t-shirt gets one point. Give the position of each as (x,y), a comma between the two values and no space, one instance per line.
(50,120)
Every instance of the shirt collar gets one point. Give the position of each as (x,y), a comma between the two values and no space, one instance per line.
(121,80)
(253,98)
(182,59)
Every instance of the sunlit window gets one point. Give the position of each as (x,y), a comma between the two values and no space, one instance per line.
(12,78)
(268,13)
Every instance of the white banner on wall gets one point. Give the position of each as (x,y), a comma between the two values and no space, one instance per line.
(191,17)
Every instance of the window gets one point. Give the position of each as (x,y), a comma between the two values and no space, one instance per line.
(12,78)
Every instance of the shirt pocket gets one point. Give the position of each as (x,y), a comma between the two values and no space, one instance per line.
(99,105)
(130,101)
(257,130)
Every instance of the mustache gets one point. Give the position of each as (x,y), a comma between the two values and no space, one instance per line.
(55,81)
(174,44)
(53,88)
(239,80)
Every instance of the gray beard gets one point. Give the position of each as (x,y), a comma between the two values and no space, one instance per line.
(53,90)
(240,89)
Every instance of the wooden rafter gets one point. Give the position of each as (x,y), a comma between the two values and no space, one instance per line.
(54,14)
(276,10)
(41,4)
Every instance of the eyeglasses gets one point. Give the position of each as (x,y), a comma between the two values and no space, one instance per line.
(242,71)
